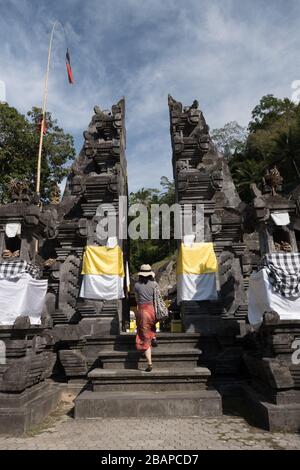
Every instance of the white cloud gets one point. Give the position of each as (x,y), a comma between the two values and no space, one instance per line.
(2,91)
(226,54)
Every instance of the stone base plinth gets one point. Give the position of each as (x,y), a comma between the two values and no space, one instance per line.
(21,411)
(270,416)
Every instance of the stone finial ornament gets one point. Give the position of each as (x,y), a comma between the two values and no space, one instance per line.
(274,180)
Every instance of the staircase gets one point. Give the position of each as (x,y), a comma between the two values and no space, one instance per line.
(120,387)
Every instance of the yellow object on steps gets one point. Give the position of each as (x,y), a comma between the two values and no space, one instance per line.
(176,326)
(132,326)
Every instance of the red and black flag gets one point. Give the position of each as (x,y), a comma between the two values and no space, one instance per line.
(69,68)
(42,122)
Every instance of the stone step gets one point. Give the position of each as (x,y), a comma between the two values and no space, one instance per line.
(161,359)
(158,380)
(137,404)
(126,341)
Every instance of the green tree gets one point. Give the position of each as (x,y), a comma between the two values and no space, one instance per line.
(244,172)
(144,196)
(151,251)
(274,139)
(19,142)
(286,154)
(269,110)
(231,138)
(167,195)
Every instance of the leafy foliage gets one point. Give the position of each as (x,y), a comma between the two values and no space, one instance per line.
(150,251)
(274,139)
(269,110)
(19,143)
(230,139)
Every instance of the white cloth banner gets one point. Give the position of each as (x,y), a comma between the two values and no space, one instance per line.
(127,277)
(111,242)
(196,287)
(262,298)
(280,218)
(11,230)
(22,296)
(188,240)
(102,287)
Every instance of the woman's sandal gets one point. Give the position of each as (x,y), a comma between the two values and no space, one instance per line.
(149,368)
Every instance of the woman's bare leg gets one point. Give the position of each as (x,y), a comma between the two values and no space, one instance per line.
(148,356)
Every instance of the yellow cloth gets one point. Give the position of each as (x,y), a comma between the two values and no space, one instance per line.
(102,260)
(199,258)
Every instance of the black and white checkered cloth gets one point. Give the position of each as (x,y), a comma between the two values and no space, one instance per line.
(283,271)
(15,268)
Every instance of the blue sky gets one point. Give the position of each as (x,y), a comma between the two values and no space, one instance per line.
(227,54)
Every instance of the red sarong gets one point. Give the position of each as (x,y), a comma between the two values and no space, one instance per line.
(145,322)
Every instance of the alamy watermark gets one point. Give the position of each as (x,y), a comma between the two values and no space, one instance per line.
(2,352)
(159,221)
(296,353)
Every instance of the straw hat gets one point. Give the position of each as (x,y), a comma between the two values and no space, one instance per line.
(146,270)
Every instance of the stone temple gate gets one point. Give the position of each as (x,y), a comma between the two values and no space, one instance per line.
(82,343)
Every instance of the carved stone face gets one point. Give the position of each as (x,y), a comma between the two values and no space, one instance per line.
(204,142)
(204,139)
(201,134)
(182,165)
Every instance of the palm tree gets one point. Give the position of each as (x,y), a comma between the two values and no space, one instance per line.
(244,173)
(144,196)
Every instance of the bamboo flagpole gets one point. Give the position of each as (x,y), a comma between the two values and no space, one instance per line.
(43,120)
(39,163)
(43,117)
